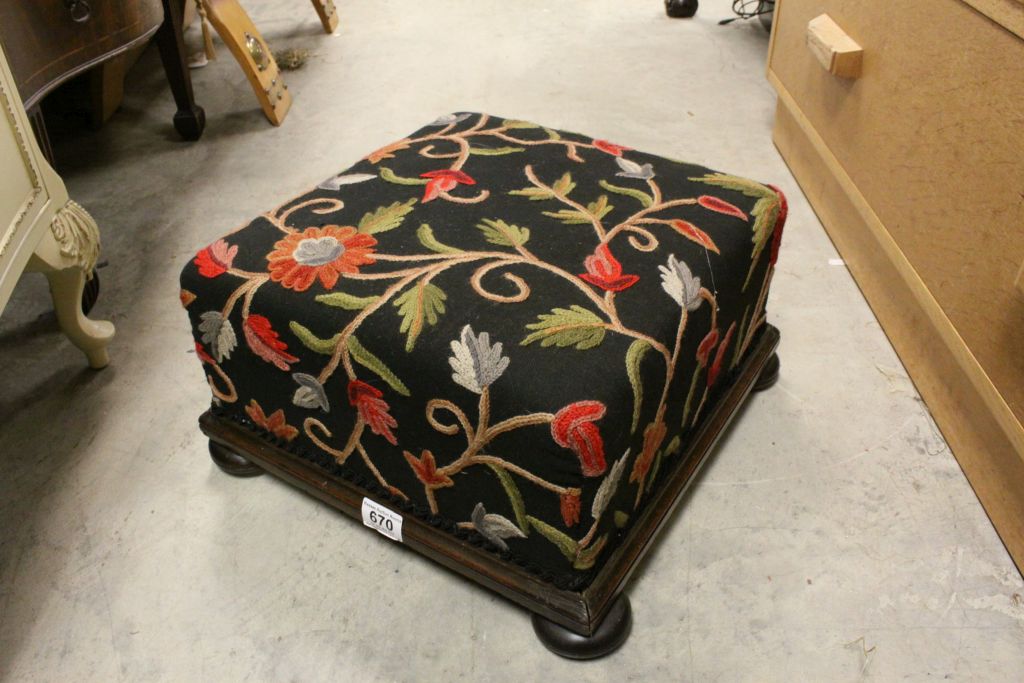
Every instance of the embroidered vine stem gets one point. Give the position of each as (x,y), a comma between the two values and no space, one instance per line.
(561,196)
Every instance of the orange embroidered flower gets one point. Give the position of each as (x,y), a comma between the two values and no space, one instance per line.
(706,346)
(444,180)
(653,436)
(274,423)
(426,470)
(569,502)
(215,259)
(372,409)
(203,355)
(325,253)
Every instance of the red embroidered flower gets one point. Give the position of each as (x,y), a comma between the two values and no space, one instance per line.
(186,297)
(274,423)
(264,342)
(705,347)
(373,410)
(203,355)
(721,206)
(653,436)
(716,366)
(444,180)
(215,259)
(326,253)
(426,470)
(604,271)
(780,223)
(574,428)
(611,148)
(569,502)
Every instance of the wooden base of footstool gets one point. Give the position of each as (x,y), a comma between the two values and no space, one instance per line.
(599,616)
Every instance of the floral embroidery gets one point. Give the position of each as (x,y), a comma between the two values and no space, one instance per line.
(216,259)
(373,410)
(611,148)
(604,271)
(426,470)
(500,265)
(319,253)
(265,343)
(574,428)
(443,181)
(273,423)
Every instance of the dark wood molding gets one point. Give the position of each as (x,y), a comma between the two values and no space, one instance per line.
(580,612)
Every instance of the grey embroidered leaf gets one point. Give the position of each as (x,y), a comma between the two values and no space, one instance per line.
(335,182)
(310,393)
(680,283)
(631,169)
(448,119)
(608,487)
(217,334)
(494,528)
(476,362)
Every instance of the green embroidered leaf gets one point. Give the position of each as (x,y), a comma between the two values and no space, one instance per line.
(765,211)
(564,543)
(349,302)
(385,218)
(575,326)
(497,231)
(362,355)
(495,151)
(552,134)
(420,304)
(742,331)
(673,446)
(596,210)
(654,471)
(515,123)
(621,519)
(563,186)
(514,496)
(313,342)
(689,395)
(748,187)
(586,557)
(389,175)
(634,356)
(645,199)
(427,239)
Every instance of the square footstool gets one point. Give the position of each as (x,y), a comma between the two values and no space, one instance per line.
(508,347)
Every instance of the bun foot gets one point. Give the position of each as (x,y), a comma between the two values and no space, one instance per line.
(680,9)
(609,635)
(190,122)
(769,375)
(233,463)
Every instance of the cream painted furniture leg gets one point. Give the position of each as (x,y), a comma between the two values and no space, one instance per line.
(42,230)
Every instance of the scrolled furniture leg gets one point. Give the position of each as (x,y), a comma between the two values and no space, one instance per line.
(769,375)
(232,463)
(609,636)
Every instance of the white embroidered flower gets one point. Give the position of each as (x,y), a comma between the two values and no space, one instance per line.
(680,283)
(631,169)
(218,334)
(476,362)
(317,251)
(449,119)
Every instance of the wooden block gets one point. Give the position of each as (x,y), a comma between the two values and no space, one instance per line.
(838,53)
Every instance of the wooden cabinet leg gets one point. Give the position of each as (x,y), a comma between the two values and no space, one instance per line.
(327,13)
(190,119)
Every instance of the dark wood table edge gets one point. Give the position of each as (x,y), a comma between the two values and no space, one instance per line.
(582,611)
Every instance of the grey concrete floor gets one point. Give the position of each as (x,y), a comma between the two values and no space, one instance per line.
(832,538)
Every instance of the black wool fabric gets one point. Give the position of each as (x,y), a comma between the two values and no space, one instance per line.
(507,330)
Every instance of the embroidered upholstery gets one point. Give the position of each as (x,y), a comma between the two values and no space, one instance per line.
(502,328)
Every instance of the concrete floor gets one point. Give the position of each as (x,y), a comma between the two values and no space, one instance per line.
(832,538)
